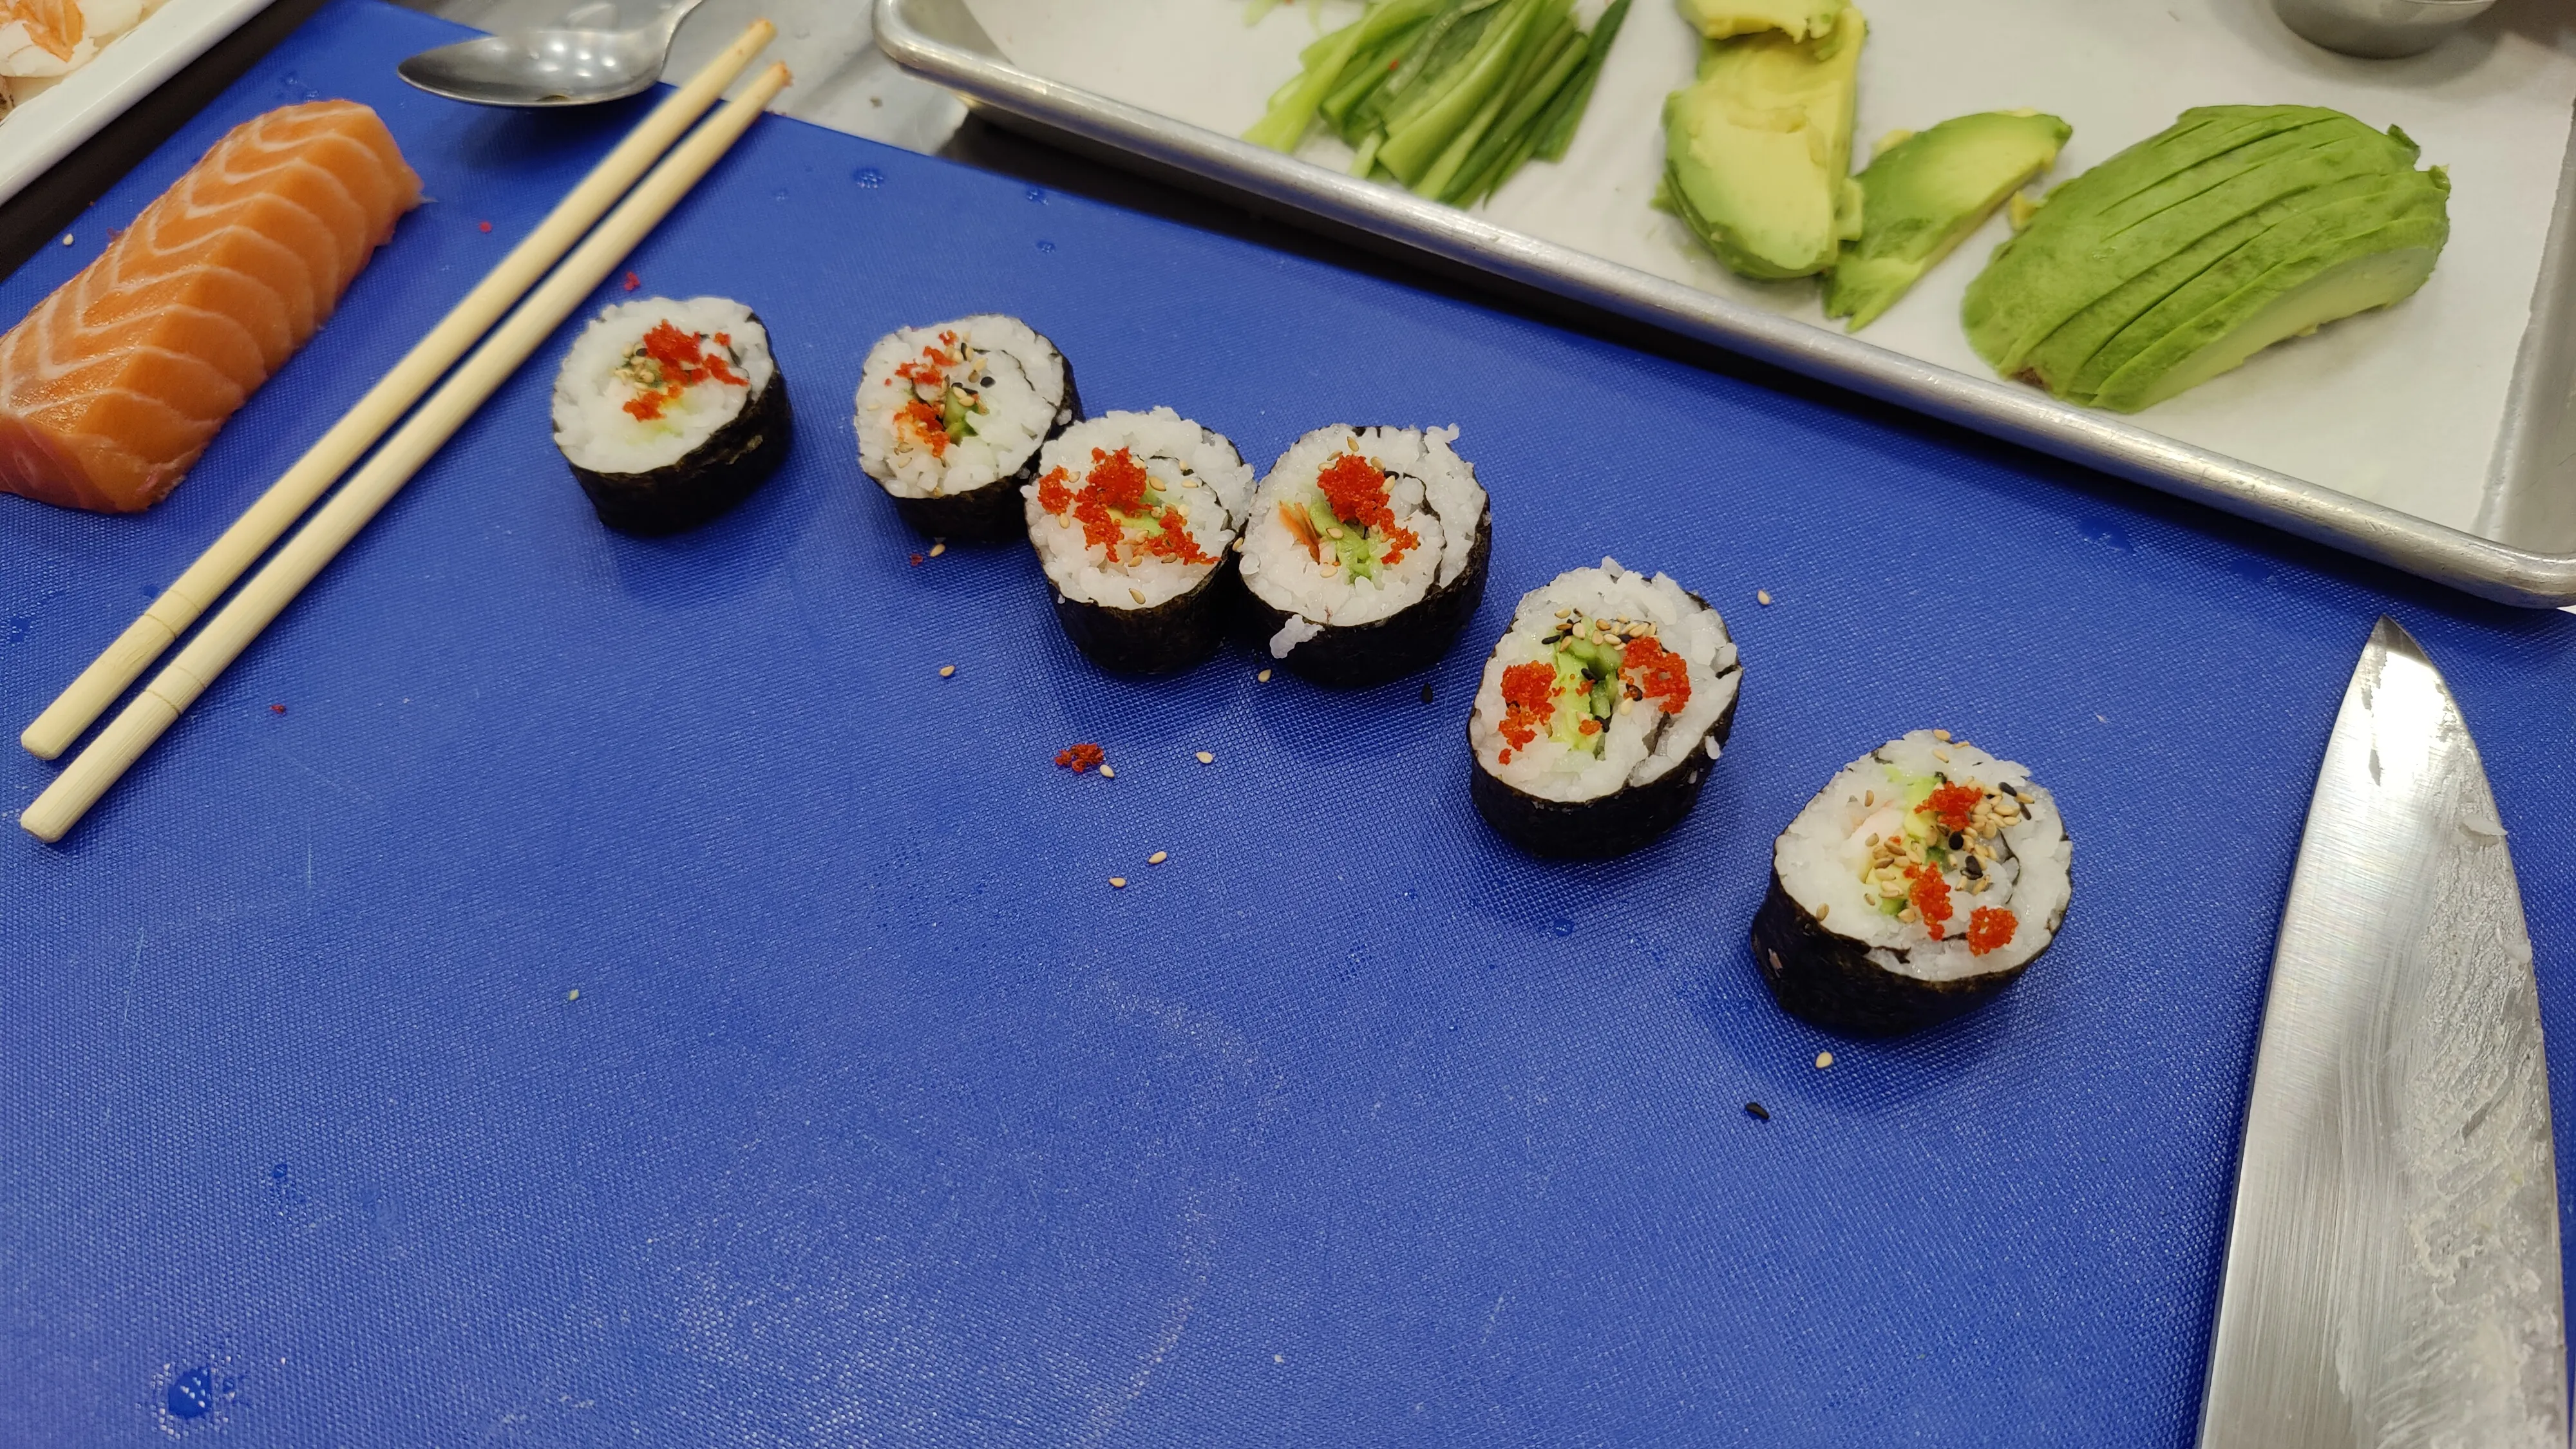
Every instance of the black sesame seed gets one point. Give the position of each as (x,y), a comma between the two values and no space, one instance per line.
(1755,1111)
(1426,694)
(1957,840)
(1973,869)
(2007,789)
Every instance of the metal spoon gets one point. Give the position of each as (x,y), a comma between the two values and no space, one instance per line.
(574,65)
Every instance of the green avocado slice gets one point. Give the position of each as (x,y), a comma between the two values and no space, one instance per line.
(2302,225)
(1925,194)
(1798,19)
(1758,149)
(2291,300)
(2081,247)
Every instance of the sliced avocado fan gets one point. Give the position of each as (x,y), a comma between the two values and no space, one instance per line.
(1924,193)
(1757,151)
(2184,255)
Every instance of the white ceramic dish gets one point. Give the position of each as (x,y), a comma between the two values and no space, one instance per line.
(46,128)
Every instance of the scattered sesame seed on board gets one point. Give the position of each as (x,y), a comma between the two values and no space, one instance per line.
(1264,677)
(1762,597)
(1118,882)
(1426,694)
(1158,857)
(2105,721)
(573,995)
(67,238)
(1107,773)
(946,670)
(1207,757)
(937,548)
(1824,1060)
(1757,1112)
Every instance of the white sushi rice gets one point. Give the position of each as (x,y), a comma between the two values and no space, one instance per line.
(1192,468)
(1637,745)
(1822,856)
(597,380)
(1017,376)
(1431,491)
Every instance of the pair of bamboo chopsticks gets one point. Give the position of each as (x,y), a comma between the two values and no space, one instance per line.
(276,584)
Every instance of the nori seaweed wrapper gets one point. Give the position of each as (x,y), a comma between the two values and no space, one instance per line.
(1163,638)
(1828,979)
(1412,639)
(1606,825)
(994,512)
(721,472)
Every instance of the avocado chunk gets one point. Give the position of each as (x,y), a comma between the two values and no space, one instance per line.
(2129,286)
(1923,193)
(1797,19)
(1757,151)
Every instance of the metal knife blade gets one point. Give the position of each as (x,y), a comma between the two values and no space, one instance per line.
(2392,1271)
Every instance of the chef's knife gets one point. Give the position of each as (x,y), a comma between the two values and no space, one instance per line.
(2392,1271)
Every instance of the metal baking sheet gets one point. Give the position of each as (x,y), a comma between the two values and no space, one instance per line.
(2435,439)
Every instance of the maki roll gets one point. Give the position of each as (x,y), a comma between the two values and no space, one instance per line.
(951,417)
(1600,712)
(1366,552)
(670,412)
(1925,878)
(1134,517)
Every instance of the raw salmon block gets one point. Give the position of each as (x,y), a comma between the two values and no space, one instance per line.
(114,385)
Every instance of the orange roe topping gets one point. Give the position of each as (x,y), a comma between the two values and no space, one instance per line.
(1989,929)
(1952,806)
(1053,496)
(1931,896)
(932,370)
(1117,484)
(1588,727)
(683,364)
(1529,702)
(928,427)
(1356,491)
(1079,758)
(1657,673)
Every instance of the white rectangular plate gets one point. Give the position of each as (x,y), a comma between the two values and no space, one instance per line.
(44,130)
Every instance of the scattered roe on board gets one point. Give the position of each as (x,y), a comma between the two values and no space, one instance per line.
(1079,758)
(1118,493)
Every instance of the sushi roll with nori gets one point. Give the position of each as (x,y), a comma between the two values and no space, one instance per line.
(951,417)
(1925,878)
(1600,713)
(1366,552)
(1134,517)
(670,412)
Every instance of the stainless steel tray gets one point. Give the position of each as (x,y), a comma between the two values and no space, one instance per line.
(2530,560)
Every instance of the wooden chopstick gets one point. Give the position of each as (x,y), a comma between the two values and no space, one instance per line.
(335,523)
(195,591)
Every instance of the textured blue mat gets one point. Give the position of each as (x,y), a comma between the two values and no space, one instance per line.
(880,1119)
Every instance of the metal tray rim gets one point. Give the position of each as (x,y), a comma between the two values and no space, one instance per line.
(951,50)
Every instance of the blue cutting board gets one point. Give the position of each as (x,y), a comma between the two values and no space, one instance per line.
(880,1118)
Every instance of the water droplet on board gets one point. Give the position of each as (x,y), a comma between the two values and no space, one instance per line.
(1037,193)
(869,177)
(192,1394)
(1045,245)
(1562,925)
(779,195)
(2106,533)
(277,1173)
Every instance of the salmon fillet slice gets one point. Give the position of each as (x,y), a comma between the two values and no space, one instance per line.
(113,385)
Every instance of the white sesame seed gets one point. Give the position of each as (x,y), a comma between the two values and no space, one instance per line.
(1824,910)
(1207,757)
(1118,882)
(936,549)
(573,995)
(1263,676)
(67,238)
(1107,773)
(946,670)
(1762,596)
(1137,594)
(1941,735)
(1824,1060)
(1158,857)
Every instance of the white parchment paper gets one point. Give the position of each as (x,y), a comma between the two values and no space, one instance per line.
(2400,406)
